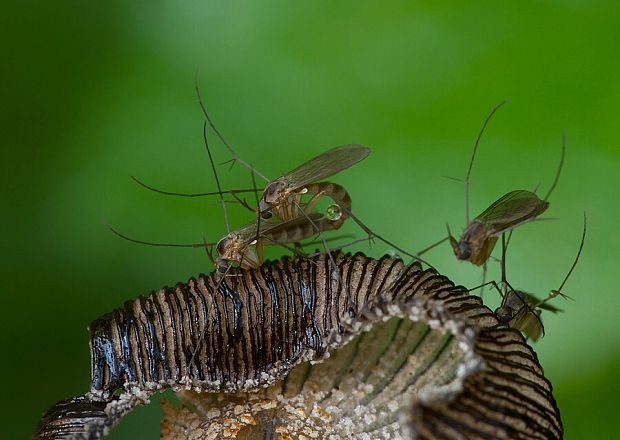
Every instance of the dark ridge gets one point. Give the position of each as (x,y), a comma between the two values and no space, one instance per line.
(250,329)
(509,399)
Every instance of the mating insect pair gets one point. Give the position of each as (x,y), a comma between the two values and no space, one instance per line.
(283,217)
(282,214)
(287,210)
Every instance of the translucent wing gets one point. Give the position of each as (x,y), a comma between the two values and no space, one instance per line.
(535,302)
(530,324)
(521,315)
(326,164)
(270,228)
(511,210)
(296,229)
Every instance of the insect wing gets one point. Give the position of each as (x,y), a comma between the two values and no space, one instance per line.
(326,164)
(529,324)
(296,229)
(548,307)
(511,210)
(248,231)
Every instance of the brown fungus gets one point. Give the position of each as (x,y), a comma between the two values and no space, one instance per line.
(392,351)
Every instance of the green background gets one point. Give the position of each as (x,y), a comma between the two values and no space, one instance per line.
(94,93)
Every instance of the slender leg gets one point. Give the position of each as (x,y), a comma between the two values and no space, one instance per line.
(432,246)
(313,202)
(484,278)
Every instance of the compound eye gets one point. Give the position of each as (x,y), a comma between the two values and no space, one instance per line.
(502,315)
(267,214)
(464,251)
(222,267)
(221,246)
(271,190)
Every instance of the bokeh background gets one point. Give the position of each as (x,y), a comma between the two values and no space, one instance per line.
(93,93)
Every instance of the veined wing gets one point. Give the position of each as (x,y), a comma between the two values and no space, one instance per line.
(525,318)
(270,227)
(326,164)
(291,230)
(511,210)
(529,323)
(534,301)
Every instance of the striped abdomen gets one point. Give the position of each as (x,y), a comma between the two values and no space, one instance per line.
(334,191)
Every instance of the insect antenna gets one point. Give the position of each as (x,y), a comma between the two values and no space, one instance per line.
(170,193)
(557,174)
(217,180)
(209,251)
(150,243)
(235,158)
(473,156)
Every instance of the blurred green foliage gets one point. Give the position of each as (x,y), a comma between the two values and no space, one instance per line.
(95,92)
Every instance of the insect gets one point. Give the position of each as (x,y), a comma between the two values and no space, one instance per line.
(506,213)
(236,246)
(282,197)
(244,246)
(521,310)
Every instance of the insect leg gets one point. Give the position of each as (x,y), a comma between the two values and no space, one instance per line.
(488,283)
(235,158)
(371,234)
(320,232)
(260,251)
(484,278)
(202,336)
(432,246)
(257,210)
(313,202)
